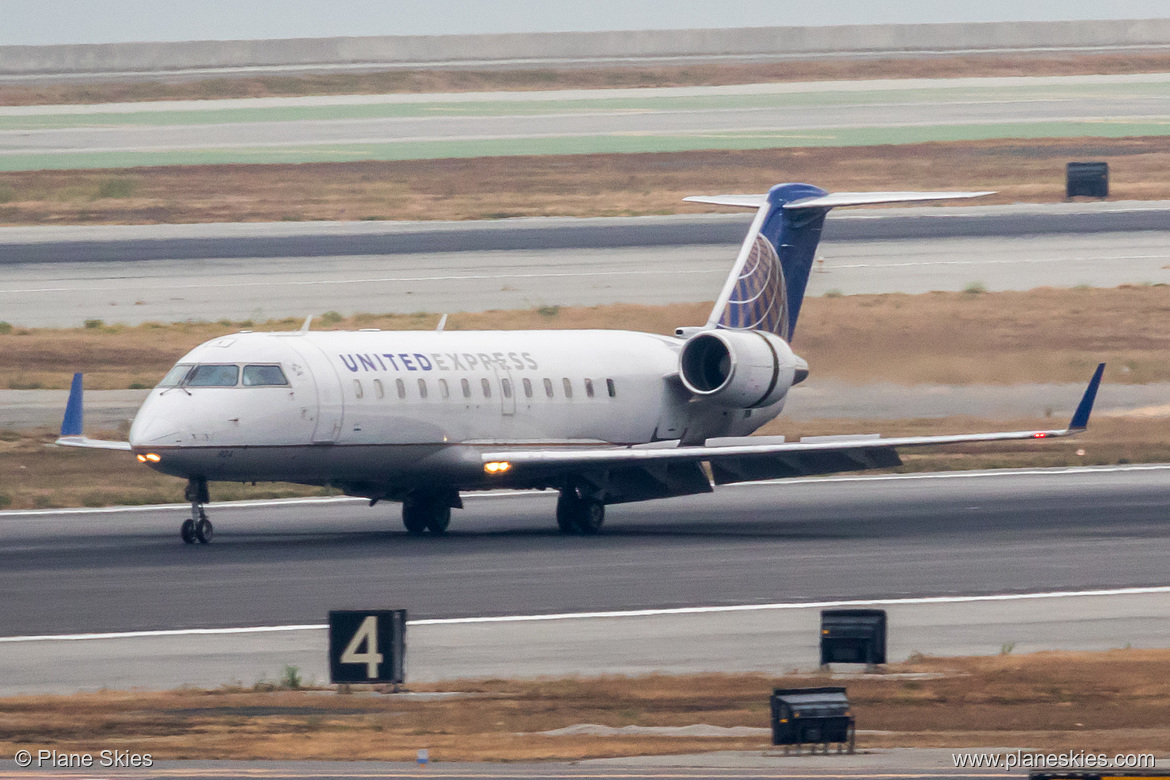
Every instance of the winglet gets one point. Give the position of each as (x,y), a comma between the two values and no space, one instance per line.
(1080,419)
(71,425)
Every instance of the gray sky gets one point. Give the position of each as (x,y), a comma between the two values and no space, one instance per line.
(105,21)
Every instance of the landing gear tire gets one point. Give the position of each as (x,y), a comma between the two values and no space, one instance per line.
(439,519)
(576,515)
(425,514)
(592,517)
(197,528)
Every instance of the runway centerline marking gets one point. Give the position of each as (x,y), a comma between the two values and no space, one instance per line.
(732,608)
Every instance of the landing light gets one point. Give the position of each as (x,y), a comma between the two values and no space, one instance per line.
(141,458)
(153,457)
(497,466)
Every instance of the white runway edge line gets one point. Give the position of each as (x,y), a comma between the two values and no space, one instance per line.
(1158,589)
(279,502)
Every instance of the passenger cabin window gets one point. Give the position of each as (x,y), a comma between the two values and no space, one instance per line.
(611,387)
(263,376)
(422,388)
(487,388)
(214,376)
(379,391)
(466,388)
(527,388)
(176,375)
(443,391)
(548,388)
(506,387)
(401,386)
(568,387)
(589,387)
(357,388)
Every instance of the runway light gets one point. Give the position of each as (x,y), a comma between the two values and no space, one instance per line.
(141,458)
(153,457)
(497,466)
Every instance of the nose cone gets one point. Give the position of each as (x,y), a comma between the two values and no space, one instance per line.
(149,429)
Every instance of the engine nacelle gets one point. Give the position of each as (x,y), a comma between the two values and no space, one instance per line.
(744,369)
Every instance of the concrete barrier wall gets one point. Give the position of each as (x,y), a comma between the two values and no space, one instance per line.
(543,48)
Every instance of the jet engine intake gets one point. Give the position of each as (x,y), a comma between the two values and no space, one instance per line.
(744,369)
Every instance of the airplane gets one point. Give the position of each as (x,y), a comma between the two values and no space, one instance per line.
(602,416)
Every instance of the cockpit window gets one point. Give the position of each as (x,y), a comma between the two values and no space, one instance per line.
(176,375)
(214,376)
(263,376)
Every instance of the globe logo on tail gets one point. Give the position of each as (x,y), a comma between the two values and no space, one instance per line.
(759,300)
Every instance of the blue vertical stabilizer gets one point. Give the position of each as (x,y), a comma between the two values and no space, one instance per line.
(767,283)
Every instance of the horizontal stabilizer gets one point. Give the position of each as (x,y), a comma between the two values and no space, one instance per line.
(742,201)
(834,199)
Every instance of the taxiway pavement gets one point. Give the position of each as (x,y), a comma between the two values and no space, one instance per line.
(572,122)
(48,278)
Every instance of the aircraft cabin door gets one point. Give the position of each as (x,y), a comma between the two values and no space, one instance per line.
(330,399)
(508,391)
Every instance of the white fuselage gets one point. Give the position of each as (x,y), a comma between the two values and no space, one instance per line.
(376,412)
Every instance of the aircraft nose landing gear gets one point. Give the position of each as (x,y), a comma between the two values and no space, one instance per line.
(197,528)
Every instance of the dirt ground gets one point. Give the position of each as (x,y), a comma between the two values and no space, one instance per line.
(1103,702)
(565,185)
(436,80)
(1042,335)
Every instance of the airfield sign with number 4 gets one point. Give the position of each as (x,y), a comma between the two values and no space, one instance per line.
(367,646)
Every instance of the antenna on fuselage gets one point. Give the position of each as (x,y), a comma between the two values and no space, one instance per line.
(442,324)
(305,325)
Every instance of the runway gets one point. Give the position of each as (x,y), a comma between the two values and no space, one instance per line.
(397,127)
(832,538)
(964,563)
(50,278)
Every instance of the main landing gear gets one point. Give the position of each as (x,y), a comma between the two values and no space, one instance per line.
(423,512)
(197,528)
(577,514)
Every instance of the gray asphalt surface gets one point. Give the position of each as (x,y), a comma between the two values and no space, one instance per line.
(774,641)
(796,541)
(631,262)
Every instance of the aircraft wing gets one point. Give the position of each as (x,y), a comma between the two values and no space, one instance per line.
(743,459)
(92,444)
(72,424)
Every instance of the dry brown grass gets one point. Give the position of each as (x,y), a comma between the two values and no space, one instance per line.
(1043,335)
(565,185)
(435,80)
(1108,702)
